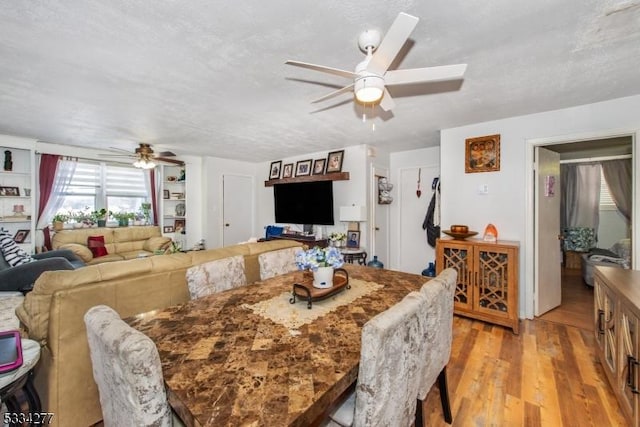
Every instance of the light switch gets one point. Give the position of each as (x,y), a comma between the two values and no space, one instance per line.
(483,189)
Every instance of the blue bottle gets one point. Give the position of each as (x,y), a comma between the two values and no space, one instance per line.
(430,271)
(375,263)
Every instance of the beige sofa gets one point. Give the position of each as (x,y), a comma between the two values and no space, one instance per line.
(53,314)
(121,243)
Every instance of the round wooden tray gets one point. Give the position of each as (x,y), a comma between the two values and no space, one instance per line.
(307,292)
(459,236)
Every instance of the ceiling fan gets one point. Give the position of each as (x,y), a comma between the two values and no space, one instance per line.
(145,158)
(372,77)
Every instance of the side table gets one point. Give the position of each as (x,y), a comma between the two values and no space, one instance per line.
(17,391)
(351,255)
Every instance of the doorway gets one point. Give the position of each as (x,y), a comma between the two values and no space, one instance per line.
(568,299)
(237,214)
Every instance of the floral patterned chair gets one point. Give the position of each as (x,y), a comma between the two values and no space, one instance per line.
(127,370)
(387,383)
(275,263)
(216,276)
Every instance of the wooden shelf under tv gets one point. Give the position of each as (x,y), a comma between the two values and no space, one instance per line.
(336,176)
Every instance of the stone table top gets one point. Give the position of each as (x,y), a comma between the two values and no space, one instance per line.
(224,365)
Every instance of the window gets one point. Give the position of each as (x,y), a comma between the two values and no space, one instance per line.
(606,201)
(97,185)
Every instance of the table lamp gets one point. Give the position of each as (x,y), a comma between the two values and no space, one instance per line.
(353,215)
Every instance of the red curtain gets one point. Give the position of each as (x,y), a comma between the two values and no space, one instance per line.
(46,178)
(154,199)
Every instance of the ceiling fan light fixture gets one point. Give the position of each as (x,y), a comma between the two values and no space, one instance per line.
(143,163)
(369,89)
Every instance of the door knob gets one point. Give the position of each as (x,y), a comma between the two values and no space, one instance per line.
(377,228)
(227,224)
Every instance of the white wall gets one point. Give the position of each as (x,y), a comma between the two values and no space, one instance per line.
(409,249)
(507,204)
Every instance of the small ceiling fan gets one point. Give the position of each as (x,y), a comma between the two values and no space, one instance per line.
(372,77)
(145,158)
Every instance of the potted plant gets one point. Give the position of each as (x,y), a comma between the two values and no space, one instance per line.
(123,218)
(337,239)
(321,261)
(100,217)
(59,220)
(146,212)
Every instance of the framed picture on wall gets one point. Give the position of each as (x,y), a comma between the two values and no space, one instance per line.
(318,166)
(275,170)
(303,168)
(287,170)
(334,161)
(482,154)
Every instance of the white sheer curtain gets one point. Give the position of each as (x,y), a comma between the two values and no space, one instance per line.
(64,172)
(580,203)
(618,174)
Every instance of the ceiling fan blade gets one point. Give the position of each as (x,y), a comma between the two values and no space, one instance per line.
(172,161)
(387,103)
(117,155)
(166,154)
(335,93)
(423,75)
(335,71)
(393,41)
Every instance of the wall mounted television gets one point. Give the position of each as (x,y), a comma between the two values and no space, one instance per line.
(304,203)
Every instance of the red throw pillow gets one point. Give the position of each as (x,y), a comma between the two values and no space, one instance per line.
(96,245)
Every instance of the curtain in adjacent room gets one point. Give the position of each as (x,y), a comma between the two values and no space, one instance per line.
(580,203)
(617,174)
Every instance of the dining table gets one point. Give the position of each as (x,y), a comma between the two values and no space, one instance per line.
(254,356)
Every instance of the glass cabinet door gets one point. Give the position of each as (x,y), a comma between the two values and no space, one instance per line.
(459,257)
(492,280)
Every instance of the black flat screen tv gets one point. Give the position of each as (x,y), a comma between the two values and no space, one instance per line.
(304,203)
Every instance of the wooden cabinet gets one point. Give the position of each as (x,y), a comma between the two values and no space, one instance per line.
(617,323)
(487,287)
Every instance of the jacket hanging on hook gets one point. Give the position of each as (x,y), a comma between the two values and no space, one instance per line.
(431,221)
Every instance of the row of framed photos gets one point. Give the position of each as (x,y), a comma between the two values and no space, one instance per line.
(332,164)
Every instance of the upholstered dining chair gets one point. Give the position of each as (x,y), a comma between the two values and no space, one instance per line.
(275,263)
(127,370)
(438,328)
(387,383)
(216,276)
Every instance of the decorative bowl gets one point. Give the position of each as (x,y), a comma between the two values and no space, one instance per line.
(459,229)
(459,236)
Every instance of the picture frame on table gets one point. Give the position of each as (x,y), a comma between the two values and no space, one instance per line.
(287,170)
(167,229)
(303,168)
(165,194)
(334,161)
(21,236)
(318,166)
(274,169)
(10,191)
(353,239)
(482,154)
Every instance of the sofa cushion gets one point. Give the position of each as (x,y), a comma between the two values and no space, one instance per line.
(83,252)
(11,252)
(96,245)
(156,243)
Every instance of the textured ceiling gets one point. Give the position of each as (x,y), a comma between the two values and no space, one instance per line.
(208,77)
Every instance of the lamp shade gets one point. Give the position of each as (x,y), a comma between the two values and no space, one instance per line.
(369,89)
(353,213)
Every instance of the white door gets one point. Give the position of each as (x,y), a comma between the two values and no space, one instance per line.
(415,253)
(379,226)
(237,212)
(547,230)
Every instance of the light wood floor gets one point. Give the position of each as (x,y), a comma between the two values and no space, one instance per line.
(577,302)
(548,375)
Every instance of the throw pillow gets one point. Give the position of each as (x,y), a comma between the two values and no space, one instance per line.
(11,252)
(83,252)
(96,245)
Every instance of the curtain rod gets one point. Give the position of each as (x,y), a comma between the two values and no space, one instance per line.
(596,159)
